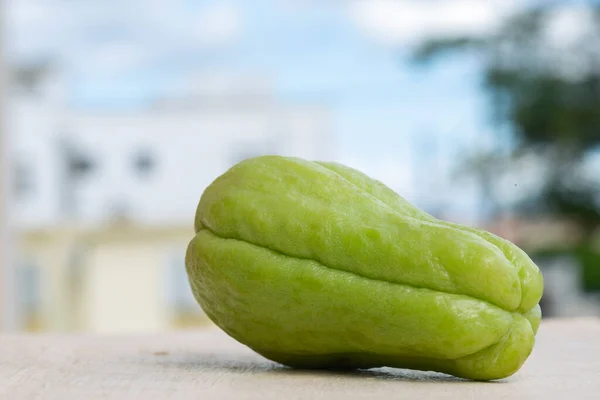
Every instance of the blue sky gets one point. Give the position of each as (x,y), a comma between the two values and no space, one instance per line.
(314,53)
(345,55)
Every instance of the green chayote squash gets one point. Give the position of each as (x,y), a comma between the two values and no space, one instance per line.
(316,265)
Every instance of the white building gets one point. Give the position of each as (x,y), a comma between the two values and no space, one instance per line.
(77,269)
(191,139)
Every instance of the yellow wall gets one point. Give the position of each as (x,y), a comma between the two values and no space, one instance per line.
(109,279)
(122,288)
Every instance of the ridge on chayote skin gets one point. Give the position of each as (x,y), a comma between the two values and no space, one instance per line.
(317,265)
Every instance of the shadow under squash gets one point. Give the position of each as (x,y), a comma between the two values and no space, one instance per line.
(254,364)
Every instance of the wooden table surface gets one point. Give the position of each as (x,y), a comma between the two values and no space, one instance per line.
(207,364)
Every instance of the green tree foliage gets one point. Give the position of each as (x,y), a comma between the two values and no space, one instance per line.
(548,95)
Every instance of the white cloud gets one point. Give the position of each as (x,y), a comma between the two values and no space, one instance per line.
(34,27)
(110,36)
(219,24)
(216,24)
(569,29)
(109,59)
(568,24)
(405,22)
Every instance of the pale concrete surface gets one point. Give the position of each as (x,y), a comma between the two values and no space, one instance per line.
(207,364)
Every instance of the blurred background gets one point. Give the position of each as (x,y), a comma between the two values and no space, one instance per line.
(117,114)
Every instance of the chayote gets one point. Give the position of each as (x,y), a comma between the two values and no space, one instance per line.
(316,265)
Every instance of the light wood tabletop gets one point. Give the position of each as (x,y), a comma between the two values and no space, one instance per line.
(207,364)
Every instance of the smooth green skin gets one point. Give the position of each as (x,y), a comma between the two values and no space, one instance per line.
(316,265)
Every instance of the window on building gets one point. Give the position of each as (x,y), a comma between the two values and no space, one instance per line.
(24,185)
(29,298)
(144,163)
